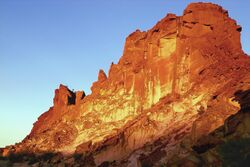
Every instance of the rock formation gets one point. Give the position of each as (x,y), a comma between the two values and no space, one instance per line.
(174,84)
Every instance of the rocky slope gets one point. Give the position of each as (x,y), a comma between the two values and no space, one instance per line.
(228,145)
(175,84)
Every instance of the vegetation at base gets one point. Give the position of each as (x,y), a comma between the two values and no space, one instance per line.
(27,158)
(3,158)
(163,165)
(46,156)
(14,158)
(47,159)
(77,157)
(235,153)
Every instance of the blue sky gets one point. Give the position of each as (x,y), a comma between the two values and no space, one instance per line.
(47,42)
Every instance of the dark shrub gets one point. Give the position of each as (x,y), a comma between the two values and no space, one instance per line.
(235,153)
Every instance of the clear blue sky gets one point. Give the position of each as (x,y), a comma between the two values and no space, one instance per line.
(47,42)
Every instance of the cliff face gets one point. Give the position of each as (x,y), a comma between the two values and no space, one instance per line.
(174,83)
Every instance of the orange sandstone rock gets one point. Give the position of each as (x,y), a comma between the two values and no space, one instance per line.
(173,81)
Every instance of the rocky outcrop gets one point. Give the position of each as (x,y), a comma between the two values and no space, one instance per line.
(174,84)
(228,145)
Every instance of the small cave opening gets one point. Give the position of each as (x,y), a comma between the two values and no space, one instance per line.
(243,97)
(214,97)
(239,29)
(72,98)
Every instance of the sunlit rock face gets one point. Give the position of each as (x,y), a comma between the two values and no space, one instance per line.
(173,82)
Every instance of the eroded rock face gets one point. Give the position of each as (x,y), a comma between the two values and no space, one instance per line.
(177,80)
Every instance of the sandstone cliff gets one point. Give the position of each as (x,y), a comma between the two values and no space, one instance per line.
(173,85)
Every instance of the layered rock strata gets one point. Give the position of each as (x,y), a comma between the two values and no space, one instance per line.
(173,82)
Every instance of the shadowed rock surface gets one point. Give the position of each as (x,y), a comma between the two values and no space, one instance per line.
(179,96)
